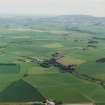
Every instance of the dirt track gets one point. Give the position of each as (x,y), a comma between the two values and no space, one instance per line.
(81,104)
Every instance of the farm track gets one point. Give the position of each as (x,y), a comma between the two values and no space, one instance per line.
(81,104)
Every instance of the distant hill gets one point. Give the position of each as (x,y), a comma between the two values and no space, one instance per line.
(76,19)
(64,20)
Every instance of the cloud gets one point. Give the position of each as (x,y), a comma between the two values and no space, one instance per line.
(53,7)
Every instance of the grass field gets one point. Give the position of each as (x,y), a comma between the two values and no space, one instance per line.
(9,68)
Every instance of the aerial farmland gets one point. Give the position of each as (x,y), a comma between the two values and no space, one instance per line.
(60,58)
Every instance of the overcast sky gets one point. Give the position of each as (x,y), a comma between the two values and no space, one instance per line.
(53,7)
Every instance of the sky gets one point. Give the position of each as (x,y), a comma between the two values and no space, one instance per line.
(53,7)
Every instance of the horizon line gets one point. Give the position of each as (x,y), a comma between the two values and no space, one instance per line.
(46,15)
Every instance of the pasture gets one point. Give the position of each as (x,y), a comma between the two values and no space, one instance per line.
(9,68)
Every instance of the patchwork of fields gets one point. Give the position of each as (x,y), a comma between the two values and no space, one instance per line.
(24,81)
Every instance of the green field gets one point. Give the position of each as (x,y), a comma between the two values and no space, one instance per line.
(9,68)
(41,83)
